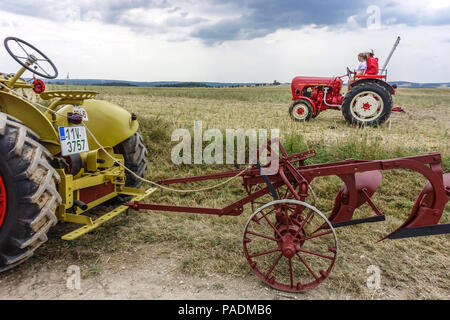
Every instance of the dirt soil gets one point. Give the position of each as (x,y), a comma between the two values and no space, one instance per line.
(150,278)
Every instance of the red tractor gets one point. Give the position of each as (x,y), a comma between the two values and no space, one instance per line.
(368,101)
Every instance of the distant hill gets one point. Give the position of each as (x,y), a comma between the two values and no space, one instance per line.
(97,82)
(406,84)
(186,85)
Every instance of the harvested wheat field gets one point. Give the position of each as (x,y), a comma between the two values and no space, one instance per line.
(185,256)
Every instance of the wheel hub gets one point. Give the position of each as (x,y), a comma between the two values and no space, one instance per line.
(300,111)
(367,106)
(290,239)
(288,246)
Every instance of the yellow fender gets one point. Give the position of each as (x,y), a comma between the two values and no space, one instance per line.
(31,117)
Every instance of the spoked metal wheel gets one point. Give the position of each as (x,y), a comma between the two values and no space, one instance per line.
(291,245)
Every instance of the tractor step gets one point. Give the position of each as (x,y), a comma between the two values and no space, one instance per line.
(93,224)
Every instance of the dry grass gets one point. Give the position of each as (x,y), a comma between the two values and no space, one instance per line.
(411,268)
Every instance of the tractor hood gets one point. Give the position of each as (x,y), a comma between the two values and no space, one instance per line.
(110,123)
(300,83)
(313,81)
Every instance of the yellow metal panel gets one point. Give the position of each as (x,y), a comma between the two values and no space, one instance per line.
(91,161)
(65,188)
(78,218)
(97,178)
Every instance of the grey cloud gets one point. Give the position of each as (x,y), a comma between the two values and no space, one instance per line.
(110,11)
(251,18)
(261,17)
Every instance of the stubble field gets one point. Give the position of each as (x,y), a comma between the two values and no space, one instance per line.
(198,247)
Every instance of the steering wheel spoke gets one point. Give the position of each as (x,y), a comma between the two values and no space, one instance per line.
(16,40)
(37,64)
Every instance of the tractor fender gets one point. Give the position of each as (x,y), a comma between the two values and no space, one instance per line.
(310,101)
(109,123)
(382,83)
(32,118)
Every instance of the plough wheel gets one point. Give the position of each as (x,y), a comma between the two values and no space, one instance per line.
(288,247)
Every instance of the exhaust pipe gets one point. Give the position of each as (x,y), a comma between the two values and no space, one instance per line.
(391,53)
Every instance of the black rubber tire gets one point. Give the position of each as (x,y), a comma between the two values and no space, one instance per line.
(135,155)
(308,107)
(317,113)
(372,87)
(32,196)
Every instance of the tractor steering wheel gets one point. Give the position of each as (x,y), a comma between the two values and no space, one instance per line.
(349,72)
(31,57)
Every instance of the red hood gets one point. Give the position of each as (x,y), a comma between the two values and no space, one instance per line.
(298,81)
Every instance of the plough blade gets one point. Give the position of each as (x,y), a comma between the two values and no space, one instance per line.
(426,213)
(352,197)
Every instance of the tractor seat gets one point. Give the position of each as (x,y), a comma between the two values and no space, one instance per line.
(68,95)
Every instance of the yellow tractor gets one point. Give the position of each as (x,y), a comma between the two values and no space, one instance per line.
(61,158)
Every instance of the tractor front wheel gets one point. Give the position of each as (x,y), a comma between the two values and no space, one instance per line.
(367,104)
(28,193)
(301,111)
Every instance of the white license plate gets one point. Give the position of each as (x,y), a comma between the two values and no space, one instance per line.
(73,140)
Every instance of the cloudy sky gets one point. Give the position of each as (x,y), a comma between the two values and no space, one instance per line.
(230,40)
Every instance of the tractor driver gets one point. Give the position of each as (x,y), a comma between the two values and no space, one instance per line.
(372,63)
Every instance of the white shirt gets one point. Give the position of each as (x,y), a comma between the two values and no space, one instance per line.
(362,66)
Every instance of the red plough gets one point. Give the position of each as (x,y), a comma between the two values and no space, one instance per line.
(287,241)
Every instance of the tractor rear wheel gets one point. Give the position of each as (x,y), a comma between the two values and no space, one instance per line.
(135,155)
(301,110)
(28,192)
(367,104)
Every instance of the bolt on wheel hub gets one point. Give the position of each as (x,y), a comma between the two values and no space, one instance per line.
(288,246)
